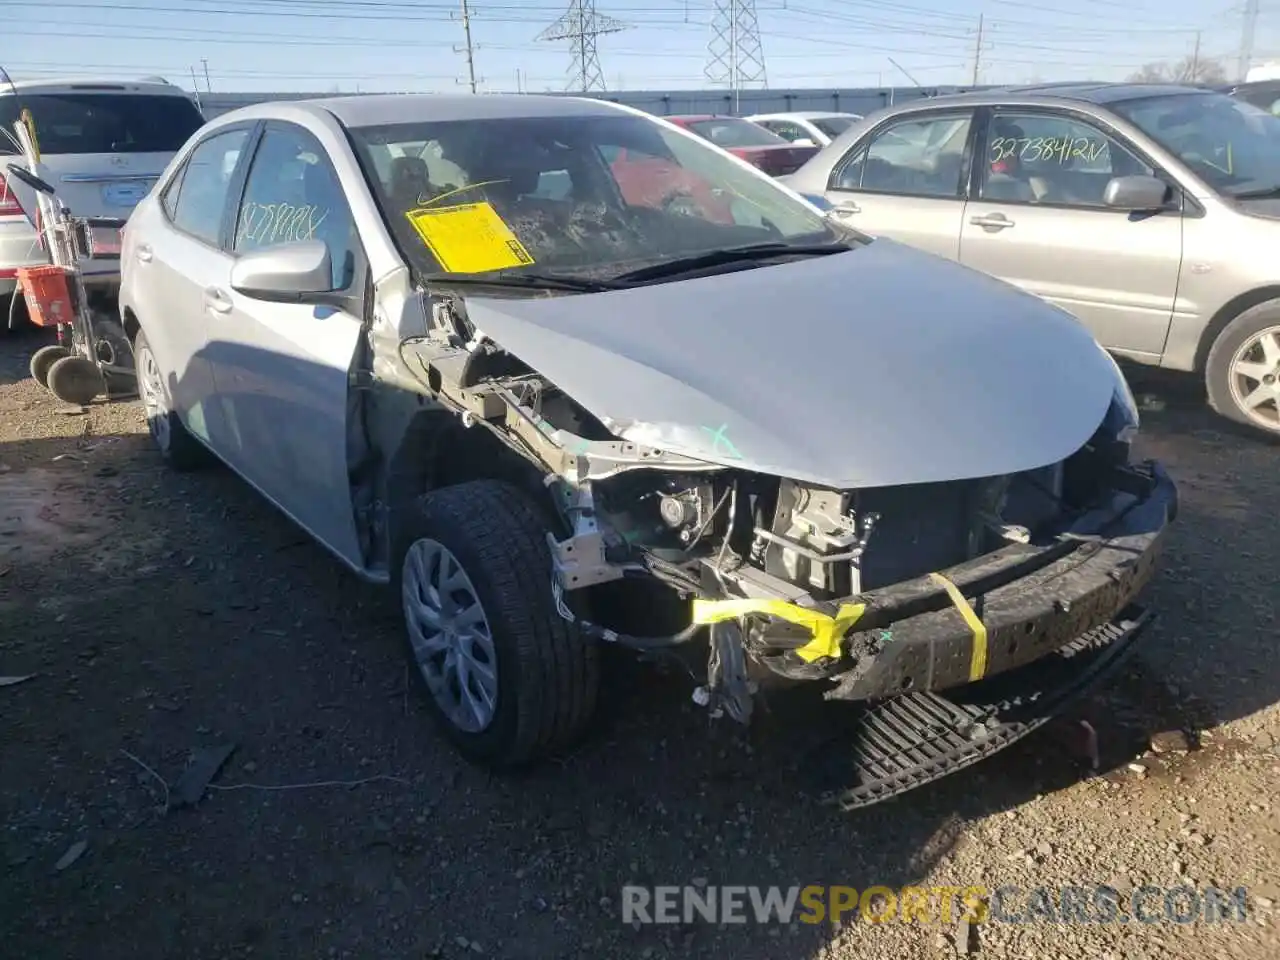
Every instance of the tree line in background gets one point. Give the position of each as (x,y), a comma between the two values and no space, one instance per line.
(1208,70)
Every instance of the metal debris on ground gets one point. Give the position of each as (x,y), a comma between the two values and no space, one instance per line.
(205,764)
(74,852)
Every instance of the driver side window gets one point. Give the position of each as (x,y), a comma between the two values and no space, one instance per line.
(914,157)
(1051,158)
(292,194)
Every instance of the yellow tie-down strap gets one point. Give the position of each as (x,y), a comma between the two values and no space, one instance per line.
(978,661)
(827,631)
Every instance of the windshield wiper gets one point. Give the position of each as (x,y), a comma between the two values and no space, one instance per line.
(527,280)
(716,258)
(1261,193)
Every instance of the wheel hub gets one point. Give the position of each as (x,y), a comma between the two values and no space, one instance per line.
(151,392)
(450,635)
(1255,378)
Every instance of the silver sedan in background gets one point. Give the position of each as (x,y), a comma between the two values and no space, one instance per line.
(1152,213)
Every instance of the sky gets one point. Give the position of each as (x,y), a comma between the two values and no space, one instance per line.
(402,45)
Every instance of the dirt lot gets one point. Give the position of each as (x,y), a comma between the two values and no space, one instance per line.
(161,614)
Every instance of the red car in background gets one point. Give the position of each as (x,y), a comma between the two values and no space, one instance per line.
(759,147)
(649,181)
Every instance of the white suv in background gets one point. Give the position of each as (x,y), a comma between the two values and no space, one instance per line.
(103,145)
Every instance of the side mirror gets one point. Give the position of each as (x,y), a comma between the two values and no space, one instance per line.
(1136,193)
(803,142)
(288,273)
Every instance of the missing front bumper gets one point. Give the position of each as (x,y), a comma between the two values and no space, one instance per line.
(905,742)
(914,637)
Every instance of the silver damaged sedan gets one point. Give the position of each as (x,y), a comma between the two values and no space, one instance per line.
(471,345)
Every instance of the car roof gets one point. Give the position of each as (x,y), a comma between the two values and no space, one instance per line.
(381,109)
(1095,94)
(92,85)
(803,115)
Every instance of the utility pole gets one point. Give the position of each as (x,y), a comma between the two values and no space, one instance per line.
(977,53)
(207,85)
(1195,61)
(1246,37)
(471,59)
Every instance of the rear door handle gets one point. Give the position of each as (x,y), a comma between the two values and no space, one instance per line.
(846,209)
(217,301)
(144,254)
(992,221)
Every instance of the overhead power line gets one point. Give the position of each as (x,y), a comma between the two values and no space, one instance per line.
(581,25)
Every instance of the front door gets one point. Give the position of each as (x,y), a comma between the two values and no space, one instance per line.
(906,181)
(282,371)
(1039,221)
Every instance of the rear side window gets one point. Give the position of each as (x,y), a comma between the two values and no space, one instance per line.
(206,181)
(105,122)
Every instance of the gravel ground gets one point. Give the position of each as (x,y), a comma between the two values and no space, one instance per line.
(164,614)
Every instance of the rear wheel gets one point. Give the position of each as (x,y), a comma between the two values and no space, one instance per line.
(1242,374)
(178,448)
(509,680)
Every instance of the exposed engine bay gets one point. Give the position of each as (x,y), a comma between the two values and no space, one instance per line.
(875,590)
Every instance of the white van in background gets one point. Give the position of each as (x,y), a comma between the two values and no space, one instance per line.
(103,145)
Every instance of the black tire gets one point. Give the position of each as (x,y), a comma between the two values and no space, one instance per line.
(548,671)
(76,380)
(43,359)
(1218,375)
(114,348)
(178,448)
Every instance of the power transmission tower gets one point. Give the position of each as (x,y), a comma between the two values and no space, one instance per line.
(581,25)
(1246,37)
(735,57)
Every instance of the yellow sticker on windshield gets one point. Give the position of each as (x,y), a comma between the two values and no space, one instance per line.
(469,238)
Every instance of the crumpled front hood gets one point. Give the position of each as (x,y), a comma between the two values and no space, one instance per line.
(877,367)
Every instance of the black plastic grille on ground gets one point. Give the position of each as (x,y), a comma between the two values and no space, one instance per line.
(913,739)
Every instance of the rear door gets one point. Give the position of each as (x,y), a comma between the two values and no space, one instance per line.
(1038,221)
(906,180)
(176,258)
(282,370)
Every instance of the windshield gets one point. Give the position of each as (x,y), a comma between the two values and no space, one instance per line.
(730,132)
(104,122)
(1231,144)
(833,126)
(594,196)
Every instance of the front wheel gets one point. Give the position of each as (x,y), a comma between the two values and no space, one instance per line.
(1242,374)
(508,679)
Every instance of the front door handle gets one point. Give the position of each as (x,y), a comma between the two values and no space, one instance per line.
(846,209)
(217,301)
(144,254)
(992,221)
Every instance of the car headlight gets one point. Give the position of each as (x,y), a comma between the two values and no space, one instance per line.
(1121,420)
